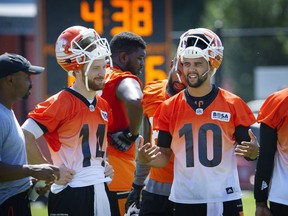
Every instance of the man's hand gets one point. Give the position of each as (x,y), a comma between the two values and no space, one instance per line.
(134,196)
(47,172)
(147,152)
(122,140)
(109,171)
(66,175)
(248,149)
(40,186)
(262,209)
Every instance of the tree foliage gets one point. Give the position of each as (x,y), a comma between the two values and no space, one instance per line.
(254,33)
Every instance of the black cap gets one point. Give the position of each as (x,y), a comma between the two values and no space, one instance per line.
(11,63)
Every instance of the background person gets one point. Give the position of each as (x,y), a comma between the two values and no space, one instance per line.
(15,172)
(272,170)
(123,92)
(154,200)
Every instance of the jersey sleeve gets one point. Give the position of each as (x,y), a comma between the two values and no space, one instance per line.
(50,113)
(273,109)
(153,95)
(161,118)
(243,114)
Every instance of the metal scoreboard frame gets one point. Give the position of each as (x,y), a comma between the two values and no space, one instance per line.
(150,19)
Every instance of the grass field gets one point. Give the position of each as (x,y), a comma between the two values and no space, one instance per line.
(248,203)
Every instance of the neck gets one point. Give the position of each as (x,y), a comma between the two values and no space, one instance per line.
(117,65)
(6,101)
(200,91)
(81,89)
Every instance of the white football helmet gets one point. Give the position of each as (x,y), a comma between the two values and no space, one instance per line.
(78,45)
(201,42)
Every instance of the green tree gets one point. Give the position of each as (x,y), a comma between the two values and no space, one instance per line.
(254,34)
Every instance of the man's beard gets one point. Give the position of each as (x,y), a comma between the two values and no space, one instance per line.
(95,87)
(199,82)
(171,87)
(128,67)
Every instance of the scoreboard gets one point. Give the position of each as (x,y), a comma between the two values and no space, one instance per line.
(150,19)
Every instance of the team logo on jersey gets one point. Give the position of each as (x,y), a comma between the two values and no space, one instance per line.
(199,111)
(264,185)
(221,116)
(104,115)
(229,190)
(91,108)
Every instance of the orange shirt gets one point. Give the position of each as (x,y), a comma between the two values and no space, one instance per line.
(203,142)
(76,135)
(123,162)
(154,94)
(274,113)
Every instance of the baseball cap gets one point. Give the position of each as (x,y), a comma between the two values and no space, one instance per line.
(11,63)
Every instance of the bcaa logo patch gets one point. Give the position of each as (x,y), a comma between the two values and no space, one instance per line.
(221,116)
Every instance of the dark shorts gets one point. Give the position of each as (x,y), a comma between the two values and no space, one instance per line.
(115,200)
(230,208)
(278,209)
(17,205)
(72,201)
(154,204)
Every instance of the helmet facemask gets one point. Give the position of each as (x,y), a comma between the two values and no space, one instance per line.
(87,47)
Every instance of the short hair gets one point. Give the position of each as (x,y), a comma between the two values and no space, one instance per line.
(126,42)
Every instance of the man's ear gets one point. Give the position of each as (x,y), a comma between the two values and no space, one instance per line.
(77,73)
(8,79)
(123,57)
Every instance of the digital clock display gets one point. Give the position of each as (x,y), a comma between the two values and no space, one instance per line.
(150,19)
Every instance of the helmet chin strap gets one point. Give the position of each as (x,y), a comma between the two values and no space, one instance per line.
(178,77)
(208,70)
(86,75)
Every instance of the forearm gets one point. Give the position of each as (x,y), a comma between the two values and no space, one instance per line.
(135,115)
(146,130)
(141,173)
(265,163)
(13,172)
(34,154)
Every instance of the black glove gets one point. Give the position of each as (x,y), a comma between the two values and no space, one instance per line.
(122,140)
(134,196)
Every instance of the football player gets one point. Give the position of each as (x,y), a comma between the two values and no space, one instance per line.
(155,196)
(272,171)
(123,91)
(74,123)
(202,126)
